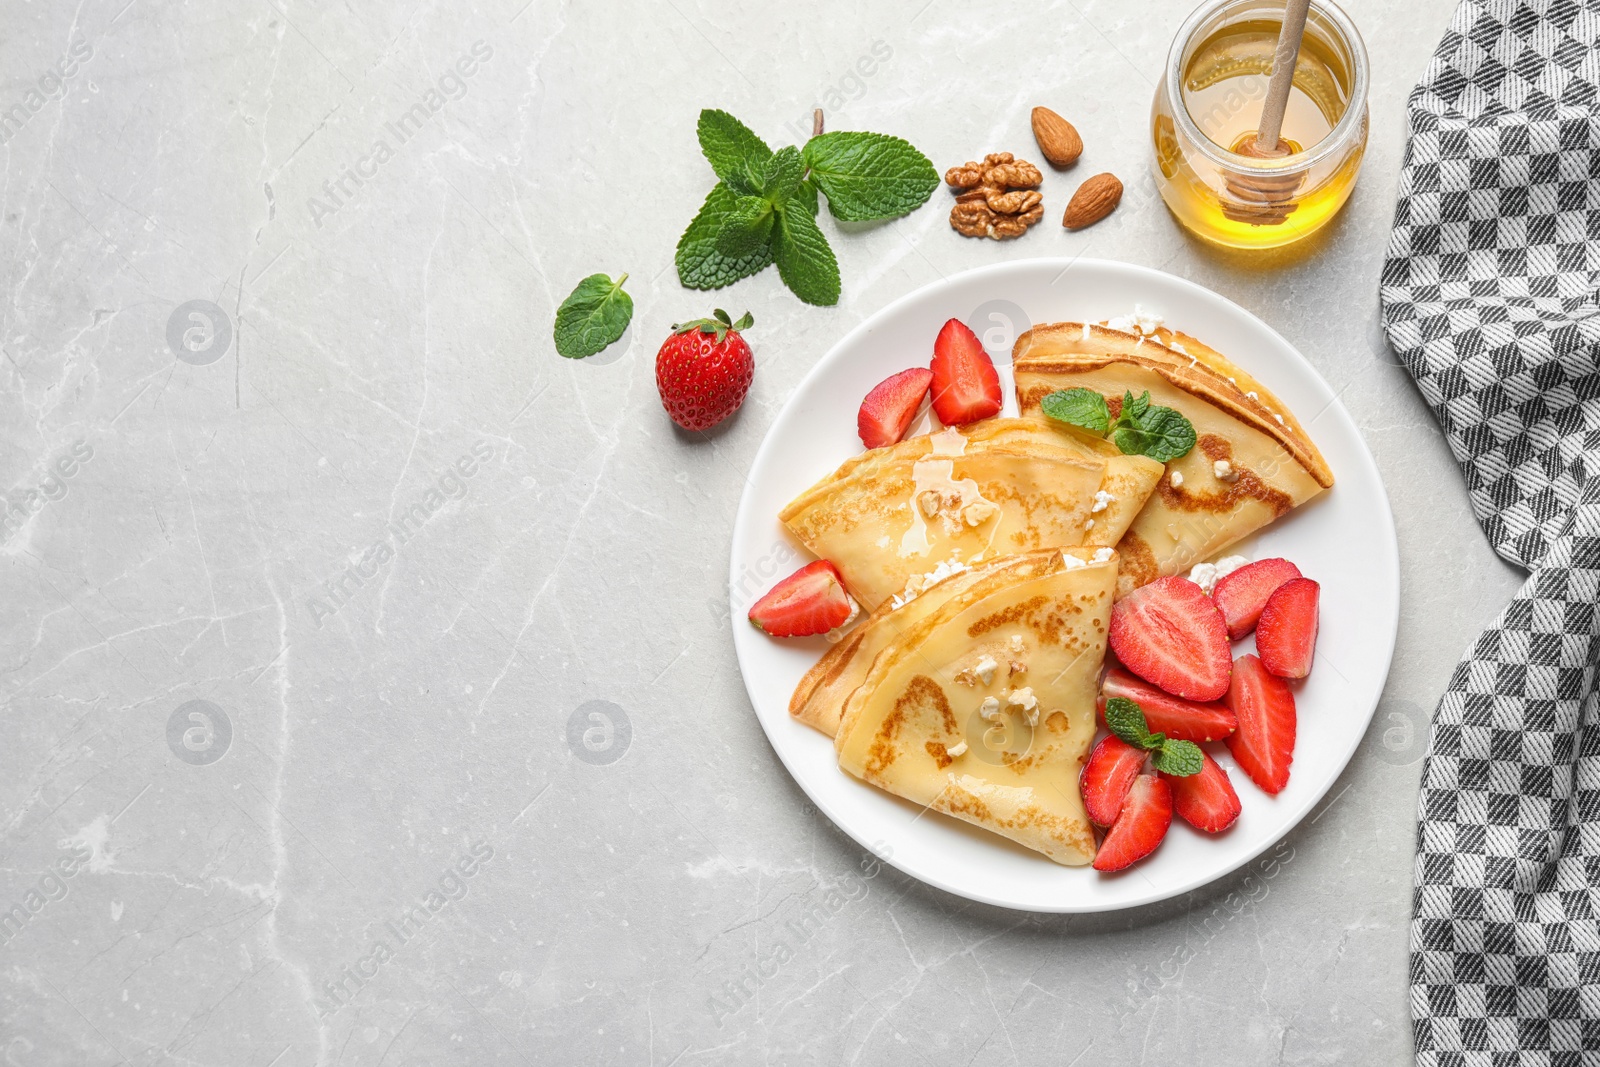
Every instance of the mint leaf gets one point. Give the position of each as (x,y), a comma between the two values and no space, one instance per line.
(595,315)
(805,262)
(869,175)
(780,177)
(1133,409)
(747,228)
(700,265)
(1161,433)
(733,150)
(1126,719)
(807,194)
(1078,407)
(1179,758)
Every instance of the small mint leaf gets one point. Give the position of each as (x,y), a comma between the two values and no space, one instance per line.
(1163,434)
(1126,719)
(1179,758)
(733,150)
(747,228)
(869,175)
(805,262)
(1133,408)
(594,316)
(700,265)
(780,177)
(807,194)
(1078,407)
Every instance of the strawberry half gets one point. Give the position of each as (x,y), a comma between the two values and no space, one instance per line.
(1164,713)
(812,600)
(889,408)
(1140,827)
(1171,634)
(1206,801)
(1286,636)
(966,387)
(1104,783)
(1263,746)
(1240,596)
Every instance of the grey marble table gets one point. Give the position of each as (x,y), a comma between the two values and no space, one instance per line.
(315,553)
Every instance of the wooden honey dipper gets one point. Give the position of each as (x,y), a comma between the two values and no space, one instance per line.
(1267,199)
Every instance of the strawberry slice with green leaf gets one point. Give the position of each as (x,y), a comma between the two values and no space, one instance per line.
(812,600)
(887,411)
(1182,719)
(1171,634)
(1263,746)
(966,387)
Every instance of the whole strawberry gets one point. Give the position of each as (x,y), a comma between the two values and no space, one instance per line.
(703,371)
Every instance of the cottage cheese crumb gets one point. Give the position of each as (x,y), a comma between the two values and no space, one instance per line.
(1138,321)
(1176,479)
(1207,575)
(989,710)
(1253,395)
(1224,471)
(1071,562)
(1102,555)
(1022,697)
(1279,418)
(957,749)
(919,583)
(1102,500)
(986,668)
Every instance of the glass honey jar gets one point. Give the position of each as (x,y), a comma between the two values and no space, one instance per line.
(1209,103)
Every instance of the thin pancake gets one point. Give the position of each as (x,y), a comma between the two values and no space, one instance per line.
(819,699)
(997,487)
(1195,512)
(923,699)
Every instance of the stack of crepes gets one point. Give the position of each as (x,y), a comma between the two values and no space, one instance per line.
(987,558)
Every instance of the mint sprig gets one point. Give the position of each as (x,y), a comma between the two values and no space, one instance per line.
(1140,428)
(1126,719)
(764,206)
(595,315)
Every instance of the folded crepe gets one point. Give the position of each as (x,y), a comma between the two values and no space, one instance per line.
(892,516)
(983,708)
(819,699)
(1252,462)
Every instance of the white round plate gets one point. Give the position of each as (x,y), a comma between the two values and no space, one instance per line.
(1344,538)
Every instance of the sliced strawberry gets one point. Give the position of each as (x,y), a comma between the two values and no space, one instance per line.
(1286,636)
(1264,743)
(966,387)
(1171,634)
(1240,596)
(812,600)
(1164,713)
(1140,826)
(1206,801)
(1112,767)
(889,408)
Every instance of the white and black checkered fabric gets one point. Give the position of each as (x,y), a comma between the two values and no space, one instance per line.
(1488,298)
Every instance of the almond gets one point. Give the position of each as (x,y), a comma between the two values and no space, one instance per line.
(1095,199)
(1058,140)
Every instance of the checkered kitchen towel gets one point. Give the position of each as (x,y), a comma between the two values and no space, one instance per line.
(1488,297)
